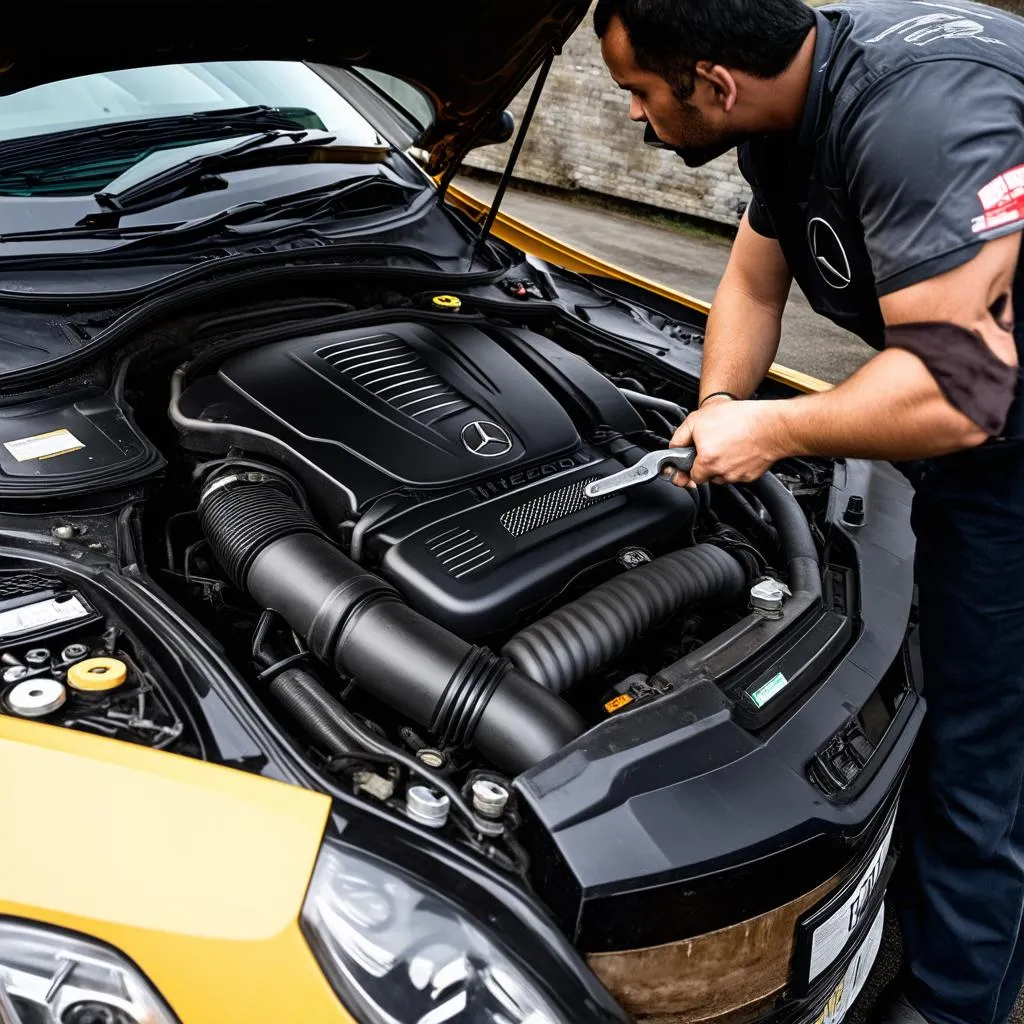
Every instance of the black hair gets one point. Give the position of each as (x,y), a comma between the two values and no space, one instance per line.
(669,37)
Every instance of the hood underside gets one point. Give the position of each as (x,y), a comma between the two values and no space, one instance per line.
(470,57)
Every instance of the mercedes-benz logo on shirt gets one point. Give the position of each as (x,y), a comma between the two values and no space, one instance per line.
(486,439)
(829,255)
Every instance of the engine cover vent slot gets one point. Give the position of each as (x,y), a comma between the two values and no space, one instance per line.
(460,551)
(549,508)
(23,583)
(390,369)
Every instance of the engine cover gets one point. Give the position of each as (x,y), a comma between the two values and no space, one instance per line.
(461,452)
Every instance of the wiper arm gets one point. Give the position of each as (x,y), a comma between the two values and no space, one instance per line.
(303,207)
(134,197)
(40,152)
(167,184)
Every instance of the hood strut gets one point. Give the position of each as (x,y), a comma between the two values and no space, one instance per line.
(510,166)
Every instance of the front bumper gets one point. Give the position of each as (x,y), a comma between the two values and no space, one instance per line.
(722,830)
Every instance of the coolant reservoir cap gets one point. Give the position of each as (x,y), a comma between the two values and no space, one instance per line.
(97,674)
(34,698)
(452,303)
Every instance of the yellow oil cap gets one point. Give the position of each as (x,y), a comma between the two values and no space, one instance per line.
(97,674)
(452,303)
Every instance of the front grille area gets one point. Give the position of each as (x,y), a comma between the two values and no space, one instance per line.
(460,551)
(392,370)
(549,508)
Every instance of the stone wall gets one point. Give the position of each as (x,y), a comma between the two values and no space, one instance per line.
(582,138)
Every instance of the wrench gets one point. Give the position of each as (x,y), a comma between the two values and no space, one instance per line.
(647,469)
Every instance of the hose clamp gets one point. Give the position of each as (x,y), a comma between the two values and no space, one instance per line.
(223,482)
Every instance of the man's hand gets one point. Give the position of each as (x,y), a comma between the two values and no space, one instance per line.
(736,442)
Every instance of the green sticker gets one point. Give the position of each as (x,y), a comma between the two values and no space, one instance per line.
(764,693)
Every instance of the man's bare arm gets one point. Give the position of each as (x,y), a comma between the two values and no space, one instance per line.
(892,408)
(745,323)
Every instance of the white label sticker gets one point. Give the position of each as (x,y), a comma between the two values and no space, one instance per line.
(846,992)
(44,446)
(831,936)
(41,614)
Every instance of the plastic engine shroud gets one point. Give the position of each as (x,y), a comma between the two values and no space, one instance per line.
(461,449)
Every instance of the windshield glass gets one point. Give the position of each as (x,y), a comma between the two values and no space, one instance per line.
(177,89)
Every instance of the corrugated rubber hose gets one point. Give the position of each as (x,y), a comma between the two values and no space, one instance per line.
(578,639)
(355,621)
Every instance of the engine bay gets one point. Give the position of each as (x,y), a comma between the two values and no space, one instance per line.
(381,518)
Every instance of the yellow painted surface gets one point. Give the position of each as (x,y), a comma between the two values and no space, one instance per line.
(549,248)
(197,872)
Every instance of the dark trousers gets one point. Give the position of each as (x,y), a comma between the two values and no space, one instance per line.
(960,891)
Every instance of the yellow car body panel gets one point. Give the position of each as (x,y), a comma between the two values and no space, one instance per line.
(546,247)
(194,871)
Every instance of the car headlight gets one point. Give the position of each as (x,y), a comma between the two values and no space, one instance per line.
(397,953)
(48,976)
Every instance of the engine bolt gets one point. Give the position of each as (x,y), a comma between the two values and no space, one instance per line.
(74,652)
(38,656)
(14,673)
(768,596)
(63,532)
(489,799)
(430,757)
(427,807)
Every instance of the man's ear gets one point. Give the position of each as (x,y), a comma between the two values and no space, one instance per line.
(721,82)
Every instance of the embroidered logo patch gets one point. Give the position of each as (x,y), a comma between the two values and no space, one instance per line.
(1002,200)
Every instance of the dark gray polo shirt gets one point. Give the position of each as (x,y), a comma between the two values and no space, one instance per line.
(910,156)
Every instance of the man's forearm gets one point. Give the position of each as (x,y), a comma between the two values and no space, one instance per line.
(890,409)
(740,344)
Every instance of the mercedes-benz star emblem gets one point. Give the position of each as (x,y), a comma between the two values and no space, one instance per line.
(486,439)
(829,255)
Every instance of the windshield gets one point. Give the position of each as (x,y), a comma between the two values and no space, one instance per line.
(180,89)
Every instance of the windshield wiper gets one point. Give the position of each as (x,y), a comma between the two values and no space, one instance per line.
(171,181)
(307,206)
(40,153)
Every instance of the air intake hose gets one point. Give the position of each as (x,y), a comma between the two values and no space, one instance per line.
(353,620)
(574,642)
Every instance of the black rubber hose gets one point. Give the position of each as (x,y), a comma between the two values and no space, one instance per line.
(794,533)
(312,707)
(578,639)
(355,621)
(332,726)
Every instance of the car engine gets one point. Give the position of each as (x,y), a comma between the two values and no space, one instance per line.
(405,501)
(453,460)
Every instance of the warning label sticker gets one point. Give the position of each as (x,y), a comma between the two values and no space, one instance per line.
(41,614)
(1002,200)
(44,446)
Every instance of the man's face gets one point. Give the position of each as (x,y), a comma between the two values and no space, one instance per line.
(691,124)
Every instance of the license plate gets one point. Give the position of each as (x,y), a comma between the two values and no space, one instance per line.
(845,993)
(830,937)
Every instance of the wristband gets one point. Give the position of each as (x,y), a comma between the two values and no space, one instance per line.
(717,394)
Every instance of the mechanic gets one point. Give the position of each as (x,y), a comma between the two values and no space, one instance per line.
(884,145)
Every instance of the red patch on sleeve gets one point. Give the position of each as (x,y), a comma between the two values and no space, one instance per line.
(1002,200)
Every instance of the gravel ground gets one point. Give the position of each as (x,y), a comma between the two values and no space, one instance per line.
(693,261)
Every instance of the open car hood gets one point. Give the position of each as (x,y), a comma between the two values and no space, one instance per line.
(470,56)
